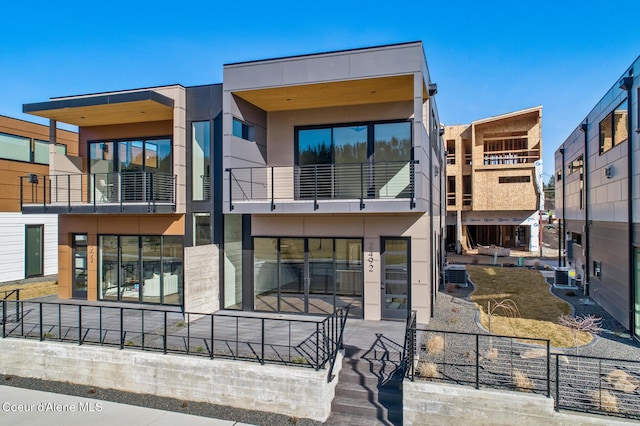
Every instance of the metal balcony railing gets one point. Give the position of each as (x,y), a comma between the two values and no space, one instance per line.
(318,182)
(98,189)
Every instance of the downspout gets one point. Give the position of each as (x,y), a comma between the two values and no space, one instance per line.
(627,84)
(584,127)
(561,224)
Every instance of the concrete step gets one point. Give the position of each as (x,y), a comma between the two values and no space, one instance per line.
(370,409)
(342,419)
(368,378)
(355,390)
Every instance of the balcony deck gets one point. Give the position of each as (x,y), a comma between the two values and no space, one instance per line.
(101,193)
(324,188)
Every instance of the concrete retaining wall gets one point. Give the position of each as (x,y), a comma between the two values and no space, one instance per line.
(429,403)
(292,391)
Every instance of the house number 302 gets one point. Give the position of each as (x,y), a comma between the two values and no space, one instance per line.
(370,258)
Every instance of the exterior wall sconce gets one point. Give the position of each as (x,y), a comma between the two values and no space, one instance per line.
(433,89)
(608,172)
(33,178)
(626,83)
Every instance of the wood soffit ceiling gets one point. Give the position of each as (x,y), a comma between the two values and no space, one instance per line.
(341,93)
(100,115)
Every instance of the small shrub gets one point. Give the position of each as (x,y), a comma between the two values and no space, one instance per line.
(129,343)
(293,420)
(455,309)
(91,391)
(48,335)
(299,360)
(180,324)
(435,345)
(199,349)
(8,377)
(492,354)
(452,320)
(185,404)
(427,369)
(607,401)
(521,381)
(622,381)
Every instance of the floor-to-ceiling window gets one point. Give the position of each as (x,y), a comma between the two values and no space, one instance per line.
(147,269)
(368,160)
(131,170)
(308,275)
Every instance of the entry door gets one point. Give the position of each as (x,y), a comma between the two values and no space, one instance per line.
(33,250)
(396,275)
(79,279)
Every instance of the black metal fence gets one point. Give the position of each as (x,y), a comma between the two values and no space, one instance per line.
(503,362)
(577,383)
(305,341)
(14,314)
(410,346)
(598,385)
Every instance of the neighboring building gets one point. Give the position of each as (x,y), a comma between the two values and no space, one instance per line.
(493,187)
(599,205)
(137,193)
(29,242)
(328,167)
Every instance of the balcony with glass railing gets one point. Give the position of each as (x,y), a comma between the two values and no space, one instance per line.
(124,192)
(369,186)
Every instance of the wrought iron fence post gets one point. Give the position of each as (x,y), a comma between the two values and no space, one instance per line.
(262,340)
(142,325)
(44,192)
(477,361)
(40,317)
(164,343)
(212,336)
(100,324)
(59,322)
(317,346)
(188,332)
(4,316)
(79,324)
(18,315)
(548,369)
(121,328)
(557,402)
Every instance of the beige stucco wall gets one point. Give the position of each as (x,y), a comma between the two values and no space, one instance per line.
(370,227)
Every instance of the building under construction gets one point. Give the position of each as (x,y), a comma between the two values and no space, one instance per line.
(494,187)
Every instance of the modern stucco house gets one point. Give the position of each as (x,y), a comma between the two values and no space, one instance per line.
(305,183)
(494,188)
(28,247)
(598,200)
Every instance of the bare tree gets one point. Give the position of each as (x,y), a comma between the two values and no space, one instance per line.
(583,323)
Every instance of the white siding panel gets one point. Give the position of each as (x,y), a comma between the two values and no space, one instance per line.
(12,243)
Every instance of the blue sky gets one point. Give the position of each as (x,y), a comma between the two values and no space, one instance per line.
(488,58)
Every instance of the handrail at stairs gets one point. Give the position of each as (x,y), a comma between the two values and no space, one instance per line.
(342,315)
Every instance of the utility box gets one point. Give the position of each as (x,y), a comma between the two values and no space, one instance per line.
(565,277)
(456,274)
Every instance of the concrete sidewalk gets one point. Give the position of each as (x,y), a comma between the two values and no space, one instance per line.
(20,406)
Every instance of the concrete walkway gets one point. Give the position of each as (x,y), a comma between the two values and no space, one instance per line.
(30,407)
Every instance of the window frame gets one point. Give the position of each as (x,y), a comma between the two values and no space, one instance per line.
(612,117)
